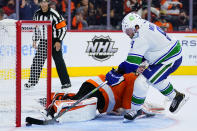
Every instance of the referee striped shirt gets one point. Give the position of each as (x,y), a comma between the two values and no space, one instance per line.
(58,23)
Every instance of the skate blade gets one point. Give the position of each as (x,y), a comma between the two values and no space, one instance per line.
(186,98)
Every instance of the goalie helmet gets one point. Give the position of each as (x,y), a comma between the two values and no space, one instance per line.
(130,21)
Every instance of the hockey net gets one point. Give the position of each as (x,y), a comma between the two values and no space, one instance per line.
(16,58)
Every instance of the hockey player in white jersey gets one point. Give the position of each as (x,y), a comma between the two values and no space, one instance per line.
(163,53)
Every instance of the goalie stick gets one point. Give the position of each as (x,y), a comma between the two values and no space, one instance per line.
(52,103)
(31,120)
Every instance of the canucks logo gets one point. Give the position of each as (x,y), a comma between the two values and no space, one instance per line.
(131,18)
(101,48)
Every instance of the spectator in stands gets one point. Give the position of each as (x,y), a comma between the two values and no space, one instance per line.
(100,13)
(141,8)
(2,3)
(97,15)
(131,5)
(137,6)
(116,13)
(78,21)
(1,14)
(155,3)
(163,23)
(182,24)
(27,9)
(88,10)
(62,8)
(172,8)
(75,2)
(144,13)
(9,9)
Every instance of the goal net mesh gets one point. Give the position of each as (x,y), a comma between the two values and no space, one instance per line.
(33,61)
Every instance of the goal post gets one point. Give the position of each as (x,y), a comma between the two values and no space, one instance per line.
(18,63)
(18,74)
(16,59)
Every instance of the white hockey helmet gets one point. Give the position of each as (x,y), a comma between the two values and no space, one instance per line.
(130,21)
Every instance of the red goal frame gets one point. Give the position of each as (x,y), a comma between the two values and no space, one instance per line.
(18,64)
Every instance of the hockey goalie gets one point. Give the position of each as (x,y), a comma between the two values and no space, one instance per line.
(106,99)
(113,100)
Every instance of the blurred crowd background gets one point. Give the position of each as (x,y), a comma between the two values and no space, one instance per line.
(171,15)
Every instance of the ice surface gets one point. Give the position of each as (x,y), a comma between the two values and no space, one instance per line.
(184,120)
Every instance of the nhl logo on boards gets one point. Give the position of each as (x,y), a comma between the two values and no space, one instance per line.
(101,48)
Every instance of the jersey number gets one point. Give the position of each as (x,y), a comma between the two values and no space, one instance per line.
(151,27)
(132,43)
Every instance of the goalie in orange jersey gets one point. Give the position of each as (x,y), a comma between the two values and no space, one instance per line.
(109,98)
(114,99)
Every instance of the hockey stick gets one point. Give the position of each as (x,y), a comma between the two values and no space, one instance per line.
(52,103)
(31,120)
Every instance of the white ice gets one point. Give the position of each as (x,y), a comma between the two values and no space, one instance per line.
(184,120)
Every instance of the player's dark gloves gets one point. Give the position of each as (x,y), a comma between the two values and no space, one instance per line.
(113,78)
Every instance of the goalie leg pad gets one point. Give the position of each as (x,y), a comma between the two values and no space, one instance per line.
(85,110)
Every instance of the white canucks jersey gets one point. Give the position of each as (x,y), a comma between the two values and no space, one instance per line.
(153,44)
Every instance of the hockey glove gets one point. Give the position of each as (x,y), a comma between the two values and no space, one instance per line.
(113,78)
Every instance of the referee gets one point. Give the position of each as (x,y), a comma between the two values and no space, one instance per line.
(45,13)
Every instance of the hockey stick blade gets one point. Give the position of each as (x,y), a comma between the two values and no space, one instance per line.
(30,121)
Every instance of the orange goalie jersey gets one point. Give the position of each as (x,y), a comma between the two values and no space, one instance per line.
(110,98)
(118,96)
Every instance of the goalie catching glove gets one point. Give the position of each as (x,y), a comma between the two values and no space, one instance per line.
(113,77)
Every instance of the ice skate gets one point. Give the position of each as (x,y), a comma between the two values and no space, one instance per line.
(66,86)
(29,85)
(132,115)
(179,100)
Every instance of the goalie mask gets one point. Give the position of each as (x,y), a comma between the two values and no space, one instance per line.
(131,23)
